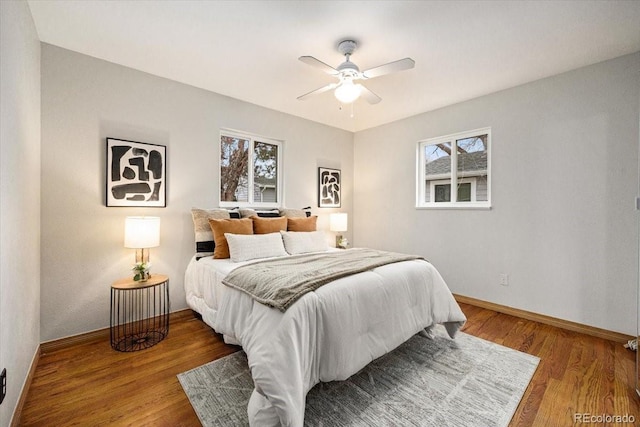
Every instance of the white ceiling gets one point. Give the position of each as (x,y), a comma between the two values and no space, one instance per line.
(249,49)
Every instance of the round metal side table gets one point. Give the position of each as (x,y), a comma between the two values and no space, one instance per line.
(139,313)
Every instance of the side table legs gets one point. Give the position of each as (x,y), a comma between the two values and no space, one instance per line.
(139,317)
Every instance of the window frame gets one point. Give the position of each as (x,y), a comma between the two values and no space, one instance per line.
(252,138)
(452,177)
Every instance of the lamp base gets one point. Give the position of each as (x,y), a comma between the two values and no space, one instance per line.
(142,255)
(142,276)
(141,267)
(341,242)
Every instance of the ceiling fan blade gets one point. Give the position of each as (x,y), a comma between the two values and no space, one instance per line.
(317,91)
(369,96)
(391,67)
(319,64)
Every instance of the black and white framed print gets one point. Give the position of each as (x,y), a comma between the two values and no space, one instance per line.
(136,174)
(329,184)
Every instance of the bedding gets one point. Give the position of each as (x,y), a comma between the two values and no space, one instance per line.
(222,226)
(205,244)
(280,282)
(302,242)
(249,213)
(328,334)
(302,224)
(245,247)
(202,230)
(268,225)
(294,213)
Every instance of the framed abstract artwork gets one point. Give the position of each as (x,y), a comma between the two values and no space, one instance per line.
(136,174)
(329,185)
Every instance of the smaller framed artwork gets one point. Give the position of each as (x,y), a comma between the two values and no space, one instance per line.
(136,174)
(329,185)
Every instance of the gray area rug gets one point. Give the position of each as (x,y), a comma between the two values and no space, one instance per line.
(441,382)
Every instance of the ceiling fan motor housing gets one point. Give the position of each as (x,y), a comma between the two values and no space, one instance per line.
(347,47)
(348,68)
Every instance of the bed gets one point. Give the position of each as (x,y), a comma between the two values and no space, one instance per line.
(327,334)
(357,305)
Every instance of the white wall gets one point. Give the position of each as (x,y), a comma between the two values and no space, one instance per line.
(565,175)
(19,198)
(85,100)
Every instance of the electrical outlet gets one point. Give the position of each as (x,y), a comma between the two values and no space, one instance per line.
(504,279)
(3,382)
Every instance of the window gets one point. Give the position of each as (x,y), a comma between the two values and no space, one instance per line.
(250,170)
(463,159)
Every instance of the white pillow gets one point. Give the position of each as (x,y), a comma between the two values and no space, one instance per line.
(301,242)
(243,247)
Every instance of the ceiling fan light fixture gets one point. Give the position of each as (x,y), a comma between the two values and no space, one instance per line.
(347,92)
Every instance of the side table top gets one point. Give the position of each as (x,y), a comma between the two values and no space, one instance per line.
(129,283)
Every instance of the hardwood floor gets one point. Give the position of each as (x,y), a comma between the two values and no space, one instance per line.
(90,384)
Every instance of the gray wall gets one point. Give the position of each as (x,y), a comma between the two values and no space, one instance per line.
(19,198)
(85,100)
(565,175)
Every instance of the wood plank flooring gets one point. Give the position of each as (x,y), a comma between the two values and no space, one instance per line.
(90,384)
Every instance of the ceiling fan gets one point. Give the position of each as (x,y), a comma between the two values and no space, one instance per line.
(348,72)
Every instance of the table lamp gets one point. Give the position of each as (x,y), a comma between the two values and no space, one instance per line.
(140,233)
(338,223)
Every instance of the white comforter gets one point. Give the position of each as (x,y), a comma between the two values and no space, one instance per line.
(332,333)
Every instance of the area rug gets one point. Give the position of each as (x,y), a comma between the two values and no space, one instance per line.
(424,382)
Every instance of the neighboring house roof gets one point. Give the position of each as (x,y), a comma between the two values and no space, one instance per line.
(467,162)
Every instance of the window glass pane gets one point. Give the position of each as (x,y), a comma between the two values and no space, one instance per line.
(234,168)
(437,158)
(442,192)
(265,172)
(472,166)
(464,192)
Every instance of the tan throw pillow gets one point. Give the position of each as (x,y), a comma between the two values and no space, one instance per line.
(302,224)
(268,225)
(233,226)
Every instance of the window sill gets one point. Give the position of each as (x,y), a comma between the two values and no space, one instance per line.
(245,205)
(456,206)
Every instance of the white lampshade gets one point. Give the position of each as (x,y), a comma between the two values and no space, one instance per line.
(141,232)
(338,222)
(347,92)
